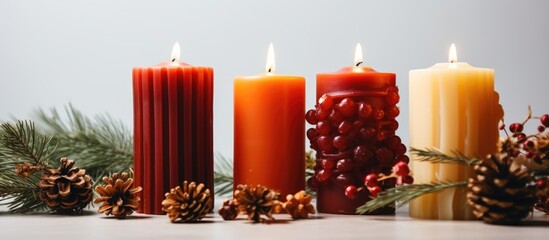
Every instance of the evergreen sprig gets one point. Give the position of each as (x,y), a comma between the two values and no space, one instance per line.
(20,143)
(434,155)
(100,144)
(223,176)
(403,194)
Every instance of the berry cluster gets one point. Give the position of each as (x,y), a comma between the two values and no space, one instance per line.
(354,137)
(535,146)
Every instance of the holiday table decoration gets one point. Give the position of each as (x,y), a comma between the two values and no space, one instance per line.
(117,195)
(354,136)
(188,203)
(453,107)
(173,132)
(256,201)
(269,146)
(299,205)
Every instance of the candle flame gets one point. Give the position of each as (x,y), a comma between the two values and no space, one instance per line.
(270,66)
(176,52)
(452,55)
(358,55)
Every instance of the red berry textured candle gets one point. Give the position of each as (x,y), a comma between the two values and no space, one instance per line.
(355,129)
(173,132)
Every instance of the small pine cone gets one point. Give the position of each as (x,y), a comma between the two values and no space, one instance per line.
(542,192)
(117,195)
(499,193)
(228,210)
(26,169)
(188,203)
(299,205)
(66,189)
(256,201)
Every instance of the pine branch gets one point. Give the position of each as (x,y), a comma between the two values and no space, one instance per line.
(223,176)
(434,155)
(99,145)
(403,194)
(21,142)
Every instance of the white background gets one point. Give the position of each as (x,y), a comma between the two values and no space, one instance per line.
(82,52)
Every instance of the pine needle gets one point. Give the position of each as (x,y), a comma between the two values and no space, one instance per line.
(403,194)
(223,176)
(434,155)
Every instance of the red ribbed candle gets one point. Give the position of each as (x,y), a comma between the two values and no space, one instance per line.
(173,129)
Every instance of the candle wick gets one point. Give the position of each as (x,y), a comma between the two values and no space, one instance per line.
(173,59)
(358,63)
(270,70)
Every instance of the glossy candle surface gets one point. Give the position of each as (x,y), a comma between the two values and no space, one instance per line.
(453,106)
(173,129)
(269,141)
(361,84)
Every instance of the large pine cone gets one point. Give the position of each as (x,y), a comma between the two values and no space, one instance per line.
(118,195)
(256,201)
(500,194)
(189,203)
(66,189)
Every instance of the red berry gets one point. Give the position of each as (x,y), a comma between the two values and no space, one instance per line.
(379,114)
(323,176)
(364,110)
(403,158)
(367,133)
(374,191)
(392,98)
(528,144)
(344,165)
(328,164)
(343,180)
(312,183)
(323,127)
(516,127)
(541,128)
(393,142)
(335,117)
(541,183)
(545,120)
(322,114)
(345,127)
(401,169)
(325,102)
(401,150)
(521,136)
(351,191)
(312,134)
(362,154)
(371,180)
(502,126)
(341,142)
(408,179)
(392,125)
(392,112)
(384,155)
(347,107)
(392,89)
(310,117)
(325,143)
(382,135)
(530,155)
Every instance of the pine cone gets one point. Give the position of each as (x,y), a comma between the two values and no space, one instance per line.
(118,196)
(299,205)
(542,192)
(66,189)
(188,204)
(228,210)
(256,201)
(499,194)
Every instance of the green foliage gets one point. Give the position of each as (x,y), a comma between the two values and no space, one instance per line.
(433,155)
(403,194)
(223,176)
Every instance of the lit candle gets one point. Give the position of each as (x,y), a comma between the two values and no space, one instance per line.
(453,106)
(355,136)
(269,146)
(173,132)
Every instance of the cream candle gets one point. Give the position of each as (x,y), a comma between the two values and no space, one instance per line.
(453,106)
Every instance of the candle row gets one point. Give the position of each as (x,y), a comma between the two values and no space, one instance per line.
(453,106)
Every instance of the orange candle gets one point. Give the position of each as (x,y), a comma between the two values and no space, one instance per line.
(269,142)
